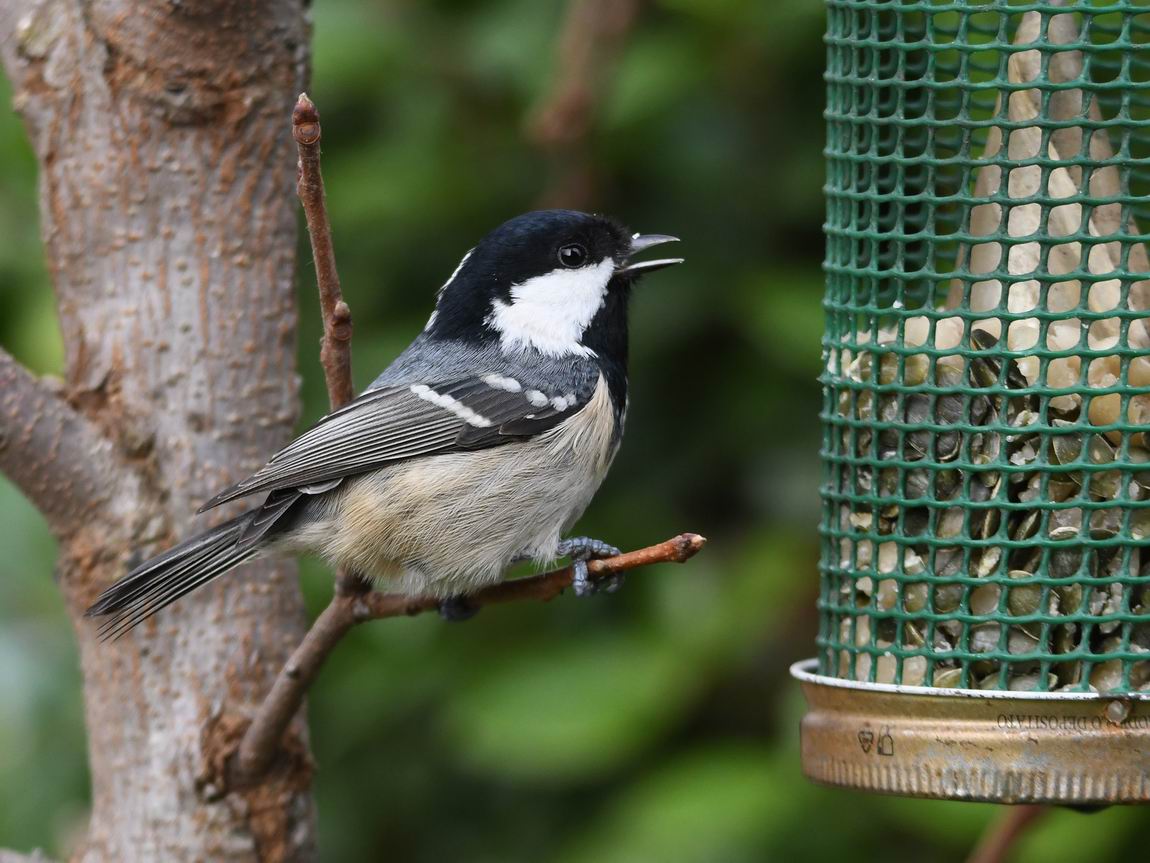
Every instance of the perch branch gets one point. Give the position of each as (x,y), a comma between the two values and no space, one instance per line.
(262,738)
(335,351)
(592,37)
(1004,832)
(56,457)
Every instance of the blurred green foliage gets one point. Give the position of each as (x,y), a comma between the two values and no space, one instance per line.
(658,724)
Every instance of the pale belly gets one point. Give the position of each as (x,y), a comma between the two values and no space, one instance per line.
(449,524)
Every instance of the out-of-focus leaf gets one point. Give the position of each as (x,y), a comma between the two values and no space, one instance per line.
(26,586)
(939,820)
(40,698)
(350,41)
(719,803)
(38,344)
(573,710)
(513,43)
(787,311)
(657,72)
(1101,836)
(717,11)
(728,602)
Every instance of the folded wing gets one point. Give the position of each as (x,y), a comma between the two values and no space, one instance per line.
(401,422)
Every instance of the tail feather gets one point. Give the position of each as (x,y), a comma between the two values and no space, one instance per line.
(162,580)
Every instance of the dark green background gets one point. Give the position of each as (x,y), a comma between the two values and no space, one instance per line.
(655,725)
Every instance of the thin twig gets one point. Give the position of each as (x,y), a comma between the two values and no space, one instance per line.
(1003,832)
(262,739)
(592,37)
(335,349)
(335,352)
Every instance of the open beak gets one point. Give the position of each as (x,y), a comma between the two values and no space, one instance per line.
(642,242)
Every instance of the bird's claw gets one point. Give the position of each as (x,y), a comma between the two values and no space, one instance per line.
(581,549)
(586,548)
(584,586)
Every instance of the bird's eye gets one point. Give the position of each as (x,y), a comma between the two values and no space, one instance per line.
(572,255)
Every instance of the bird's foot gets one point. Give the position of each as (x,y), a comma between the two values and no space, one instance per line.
(581,549)
(457,609)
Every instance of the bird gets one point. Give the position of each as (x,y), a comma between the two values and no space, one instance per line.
(478,447)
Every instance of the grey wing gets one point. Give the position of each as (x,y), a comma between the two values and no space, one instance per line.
(400,422)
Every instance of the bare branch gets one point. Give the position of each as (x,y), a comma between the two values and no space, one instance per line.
(58,459)
(1001,835)
(335,353)
(7,856)
(593,36)
(263,736)
(29,33)
(9,20)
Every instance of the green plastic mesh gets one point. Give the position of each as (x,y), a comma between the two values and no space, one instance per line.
(986,486)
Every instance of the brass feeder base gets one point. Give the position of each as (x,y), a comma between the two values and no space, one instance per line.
(962,744)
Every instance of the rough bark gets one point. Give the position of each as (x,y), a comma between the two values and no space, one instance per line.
(58,459)
(13,857)
(167,211)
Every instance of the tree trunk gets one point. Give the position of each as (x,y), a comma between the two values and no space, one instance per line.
(162,128)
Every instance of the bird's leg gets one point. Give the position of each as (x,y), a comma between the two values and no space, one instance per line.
(457,608)
(581,549)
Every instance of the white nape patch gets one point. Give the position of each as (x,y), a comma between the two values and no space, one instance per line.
(431,320)
(536,398)
(499,382)
(551,312)
(448,403)
(454,273)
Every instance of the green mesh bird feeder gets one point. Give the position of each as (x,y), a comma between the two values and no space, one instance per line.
(985,574)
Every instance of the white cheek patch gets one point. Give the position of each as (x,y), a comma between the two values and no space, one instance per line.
(551,312)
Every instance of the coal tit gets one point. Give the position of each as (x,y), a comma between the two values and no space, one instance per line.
(480,445)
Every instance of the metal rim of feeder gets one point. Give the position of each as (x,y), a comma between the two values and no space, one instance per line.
(986,494)
(1073,748)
